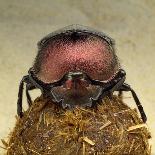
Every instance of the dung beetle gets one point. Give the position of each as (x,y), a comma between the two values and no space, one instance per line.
(76,66)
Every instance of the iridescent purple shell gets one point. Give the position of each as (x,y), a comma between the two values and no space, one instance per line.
(76,48)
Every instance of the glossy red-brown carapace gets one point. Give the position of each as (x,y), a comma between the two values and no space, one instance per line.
(76,51)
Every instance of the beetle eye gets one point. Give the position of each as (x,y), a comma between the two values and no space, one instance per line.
(82,51)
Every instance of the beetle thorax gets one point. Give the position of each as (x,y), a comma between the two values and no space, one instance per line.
(91,55)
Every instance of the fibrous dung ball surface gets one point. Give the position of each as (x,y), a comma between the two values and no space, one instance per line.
(112,128)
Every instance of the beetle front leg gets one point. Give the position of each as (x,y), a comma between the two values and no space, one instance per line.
(20,95)
(29,86)
(120,93)
(126,87)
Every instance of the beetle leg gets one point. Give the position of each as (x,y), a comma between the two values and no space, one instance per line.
(29,86)
(126,87)
(113,87)
(120,93)
(20,95)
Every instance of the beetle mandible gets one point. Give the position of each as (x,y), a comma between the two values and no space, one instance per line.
(76,66)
